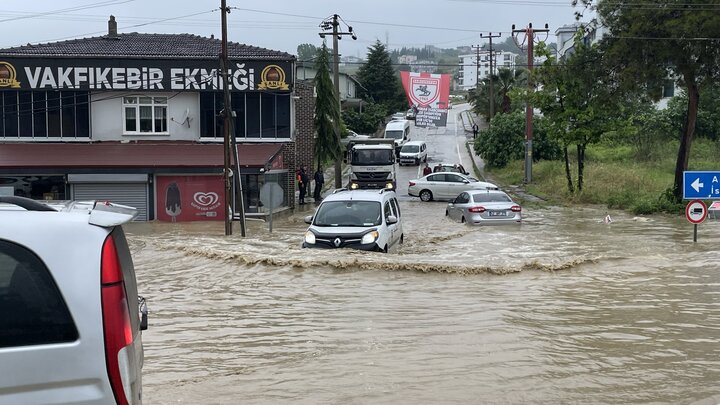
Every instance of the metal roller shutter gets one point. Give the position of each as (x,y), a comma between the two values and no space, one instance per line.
(132,194)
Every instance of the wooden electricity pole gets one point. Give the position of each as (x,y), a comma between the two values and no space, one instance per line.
(490,36)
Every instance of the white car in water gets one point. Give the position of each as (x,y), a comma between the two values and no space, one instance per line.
(357,219)
(445,186)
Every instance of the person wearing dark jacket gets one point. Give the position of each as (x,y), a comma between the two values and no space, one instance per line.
(303,180)
(319,181)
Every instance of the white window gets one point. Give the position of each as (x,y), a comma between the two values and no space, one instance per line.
(145,115)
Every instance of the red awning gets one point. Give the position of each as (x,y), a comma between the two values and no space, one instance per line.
(135,155)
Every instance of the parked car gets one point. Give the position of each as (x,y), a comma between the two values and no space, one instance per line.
(445,186)
(413,152)
(352,137)
(357,219)
(70,314)
(410,114)
(484,207)
(449,167)
(398,116)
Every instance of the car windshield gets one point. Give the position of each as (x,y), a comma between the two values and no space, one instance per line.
(349,213)
(372,157)
(410,149)
(490,197)
(394,134)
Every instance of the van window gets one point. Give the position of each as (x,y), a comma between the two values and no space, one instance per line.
(32,311)
(396,207)
(394,134)
(388,210)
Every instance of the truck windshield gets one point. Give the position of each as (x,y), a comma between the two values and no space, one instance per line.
(349,213)
(397,134)
(372,157)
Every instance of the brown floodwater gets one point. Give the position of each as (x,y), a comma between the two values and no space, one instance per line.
(560,309)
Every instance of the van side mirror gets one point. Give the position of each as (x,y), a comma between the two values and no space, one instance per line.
(392,219)
(308,219)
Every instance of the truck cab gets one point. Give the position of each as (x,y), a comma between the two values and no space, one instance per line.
(372,165)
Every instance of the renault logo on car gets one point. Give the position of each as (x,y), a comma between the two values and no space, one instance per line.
(337,242)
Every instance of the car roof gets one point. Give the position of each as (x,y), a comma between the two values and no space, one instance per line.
(359,195)
(400,124)
(373,146)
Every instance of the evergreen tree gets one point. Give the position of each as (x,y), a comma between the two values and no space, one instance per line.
(380,82)
(327,112)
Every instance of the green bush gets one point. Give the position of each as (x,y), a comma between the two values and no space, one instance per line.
(504,141)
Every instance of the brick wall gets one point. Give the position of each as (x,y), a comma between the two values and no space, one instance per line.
(304,130)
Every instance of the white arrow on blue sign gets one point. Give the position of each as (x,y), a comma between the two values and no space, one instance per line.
(705,185)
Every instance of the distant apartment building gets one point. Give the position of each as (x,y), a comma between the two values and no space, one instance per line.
(473,70)
(406,59)
(420,66)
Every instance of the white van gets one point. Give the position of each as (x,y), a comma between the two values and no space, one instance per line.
(399,131)
(413,152)
(356,219)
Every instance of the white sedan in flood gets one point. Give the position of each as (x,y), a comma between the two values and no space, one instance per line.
(445,186)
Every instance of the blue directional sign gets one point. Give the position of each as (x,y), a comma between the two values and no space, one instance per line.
(701,185)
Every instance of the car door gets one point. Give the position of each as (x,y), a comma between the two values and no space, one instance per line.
(397,227)
(436,184)
(455,211)
(391,228)
(456,184)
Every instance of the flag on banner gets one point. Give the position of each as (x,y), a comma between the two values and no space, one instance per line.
(428,94)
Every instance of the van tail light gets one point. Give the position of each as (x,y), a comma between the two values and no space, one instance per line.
(412,183)
(477,209)
(515,208)
(116,321)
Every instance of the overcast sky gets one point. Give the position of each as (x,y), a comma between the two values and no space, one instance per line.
(283,24)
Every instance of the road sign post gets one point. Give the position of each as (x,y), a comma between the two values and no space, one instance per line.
(696,212)
(271,195)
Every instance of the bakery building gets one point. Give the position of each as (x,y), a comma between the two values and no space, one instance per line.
(137,119)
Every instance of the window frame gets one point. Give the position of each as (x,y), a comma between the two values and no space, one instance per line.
(153,105)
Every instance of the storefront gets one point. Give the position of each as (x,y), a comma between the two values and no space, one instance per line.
(137,122)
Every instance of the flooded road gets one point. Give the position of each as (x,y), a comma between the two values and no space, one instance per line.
(560,309)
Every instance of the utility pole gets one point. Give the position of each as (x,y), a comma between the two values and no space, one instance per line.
(530,39)
(477,64)
(337,35)
(226,121)
(490,36)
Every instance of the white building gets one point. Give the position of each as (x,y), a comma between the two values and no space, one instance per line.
(473,70)
(406,59)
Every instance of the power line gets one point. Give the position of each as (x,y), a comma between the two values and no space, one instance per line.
(76,8)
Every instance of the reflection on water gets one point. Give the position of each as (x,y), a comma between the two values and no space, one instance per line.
(561,309)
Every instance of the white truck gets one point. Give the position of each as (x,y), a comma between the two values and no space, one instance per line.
(372,164)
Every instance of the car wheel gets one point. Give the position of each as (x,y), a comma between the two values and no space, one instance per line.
(426,195)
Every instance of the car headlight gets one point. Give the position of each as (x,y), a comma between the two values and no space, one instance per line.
(354,186)
(389,185)
(309,238)
(369,237)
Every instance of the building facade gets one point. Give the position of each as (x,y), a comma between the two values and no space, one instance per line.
(474,70)
(137,119)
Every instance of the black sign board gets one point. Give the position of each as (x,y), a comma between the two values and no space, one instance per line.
(142,74)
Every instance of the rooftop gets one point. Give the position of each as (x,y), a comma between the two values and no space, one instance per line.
(159,46)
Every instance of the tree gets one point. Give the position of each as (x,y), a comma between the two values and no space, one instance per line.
(503,83)
(380,82)
(660,40)
(327,111)
(576,101)
(307,52)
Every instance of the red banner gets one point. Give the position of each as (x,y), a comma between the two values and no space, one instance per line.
(190,198)
(429,94)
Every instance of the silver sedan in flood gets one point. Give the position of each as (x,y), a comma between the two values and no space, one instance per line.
(484,207)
